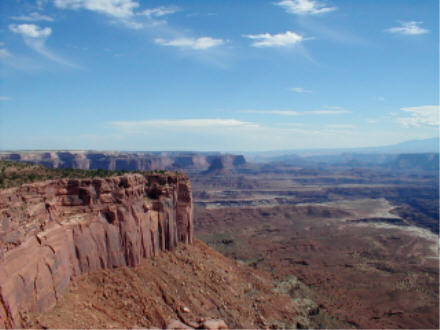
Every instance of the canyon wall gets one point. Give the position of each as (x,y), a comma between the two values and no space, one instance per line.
(53,230)
(129,161)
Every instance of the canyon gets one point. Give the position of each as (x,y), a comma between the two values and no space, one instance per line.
(54,230)
(326,243)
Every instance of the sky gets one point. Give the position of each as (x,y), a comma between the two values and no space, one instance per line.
(225,75)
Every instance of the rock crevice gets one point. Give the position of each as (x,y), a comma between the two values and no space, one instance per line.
(53,230)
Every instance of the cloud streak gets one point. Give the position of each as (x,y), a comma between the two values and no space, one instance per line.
(411,28)
(129,14)
(304,7)
(35,38)
(298,113)
(134,126)
(160,11)
(114,8)
(424,115)
(201,43)
(286,39)
(4,53)
(33,17)
(124,12)
(300,90)
(31,30)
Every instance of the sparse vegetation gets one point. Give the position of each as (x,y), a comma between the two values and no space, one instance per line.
(13,174)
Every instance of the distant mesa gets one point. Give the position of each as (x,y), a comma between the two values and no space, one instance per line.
(226,162)
(129,161)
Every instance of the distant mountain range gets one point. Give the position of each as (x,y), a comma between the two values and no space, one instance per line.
(412,146)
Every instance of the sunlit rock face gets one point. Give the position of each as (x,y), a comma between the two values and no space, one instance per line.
(53,230)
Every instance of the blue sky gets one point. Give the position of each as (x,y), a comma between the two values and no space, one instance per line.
(217,75)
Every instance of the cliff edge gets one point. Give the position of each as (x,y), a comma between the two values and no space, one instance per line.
(54,230)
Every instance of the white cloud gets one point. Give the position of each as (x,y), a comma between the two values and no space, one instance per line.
(371,120)
(297,113)
(424,115)
(300,90)
(183,123)
(33,17)
(4,53)
(274,112)
(160,11)
(304,7)
(5,98)
(288,38)
(35,38)
(340,126)
(326,112)
(121,11)
(408,28)
(201,43)
(41,3)
(115,8)
(31,30)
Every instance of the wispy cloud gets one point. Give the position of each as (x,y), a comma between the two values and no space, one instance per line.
(31,30)
(4,53)
(129,14)
(327,112)
(300,90)
(182,123)
(35,38)
(305,7)
(120,11)
(160,11)
(125,12)
(33,17)
(201,43)
(424,115)
(274,112)
(370,120)
(289,38)
(340,126)
(5,98)
(298,113)
(408,28)
(115,8)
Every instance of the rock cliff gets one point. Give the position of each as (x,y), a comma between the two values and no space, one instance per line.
(52,231)
(129,161)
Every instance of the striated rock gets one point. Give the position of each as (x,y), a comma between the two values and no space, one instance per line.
(53,230)
(129,161)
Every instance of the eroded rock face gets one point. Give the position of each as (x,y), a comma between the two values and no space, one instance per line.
(144,161)
(53,230)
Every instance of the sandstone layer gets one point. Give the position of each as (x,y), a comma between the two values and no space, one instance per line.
(129,161)
(52,231)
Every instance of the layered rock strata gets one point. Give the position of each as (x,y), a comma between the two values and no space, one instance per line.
(130,161)
(52,231)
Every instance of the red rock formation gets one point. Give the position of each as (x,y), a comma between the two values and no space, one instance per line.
(53,230)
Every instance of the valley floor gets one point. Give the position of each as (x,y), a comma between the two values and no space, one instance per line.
(362,250)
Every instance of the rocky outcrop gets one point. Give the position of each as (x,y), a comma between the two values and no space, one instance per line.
(129,161)
(52,231)
(226,162)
